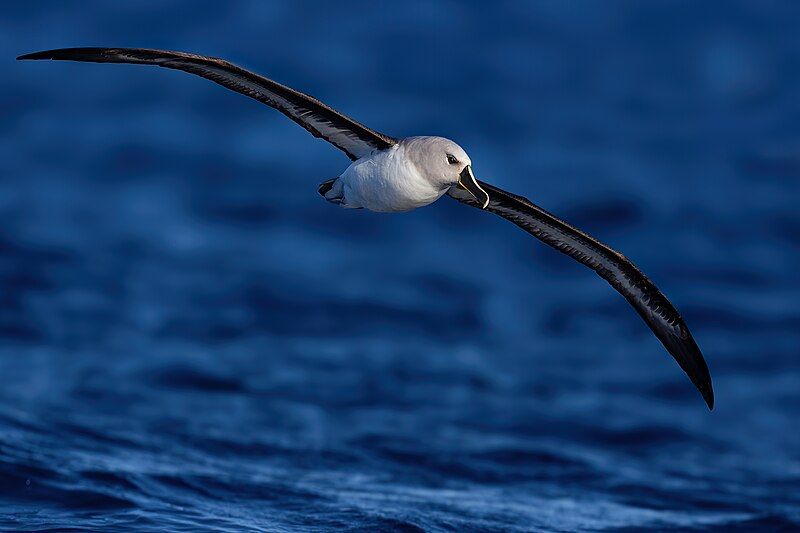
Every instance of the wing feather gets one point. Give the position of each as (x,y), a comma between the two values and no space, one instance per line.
(651,304)
(353,138)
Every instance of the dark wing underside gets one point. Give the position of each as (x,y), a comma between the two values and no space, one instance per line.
(659,314)
(353,138)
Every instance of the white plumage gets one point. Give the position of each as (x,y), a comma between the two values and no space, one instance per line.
(411,174)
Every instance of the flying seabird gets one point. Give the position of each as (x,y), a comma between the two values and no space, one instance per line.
(394,175)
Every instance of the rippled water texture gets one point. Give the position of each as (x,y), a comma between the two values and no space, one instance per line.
(191,338)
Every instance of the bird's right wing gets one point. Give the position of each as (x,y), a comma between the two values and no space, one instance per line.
(353,138)
(657,312)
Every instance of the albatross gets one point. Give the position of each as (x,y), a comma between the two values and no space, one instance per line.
(388,174)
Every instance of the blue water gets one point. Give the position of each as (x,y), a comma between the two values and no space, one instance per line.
(192,339)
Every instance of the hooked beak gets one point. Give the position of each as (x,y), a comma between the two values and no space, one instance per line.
(466,180)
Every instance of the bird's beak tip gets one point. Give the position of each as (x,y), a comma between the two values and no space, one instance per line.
(468,182)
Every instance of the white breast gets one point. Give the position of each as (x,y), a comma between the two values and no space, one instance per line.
(387,181)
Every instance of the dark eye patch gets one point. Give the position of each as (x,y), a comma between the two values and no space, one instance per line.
(452,159)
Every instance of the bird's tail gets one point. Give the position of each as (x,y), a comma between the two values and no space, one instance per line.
(326,187)
(333,191)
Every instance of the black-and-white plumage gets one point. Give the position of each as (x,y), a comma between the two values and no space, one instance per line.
(390,174)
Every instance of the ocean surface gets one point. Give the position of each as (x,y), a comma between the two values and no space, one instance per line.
(191,339)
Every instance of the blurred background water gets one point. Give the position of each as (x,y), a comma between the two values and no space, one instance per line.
(191,338)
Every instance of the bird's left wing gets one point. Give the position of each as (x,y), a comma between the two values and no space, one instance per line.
(659,314)
(353,138)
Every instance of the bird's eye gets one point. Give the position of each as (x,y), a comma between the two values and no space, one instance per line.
(452,159)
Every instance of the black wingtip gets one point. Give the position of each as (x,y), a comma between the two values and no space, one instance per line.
(71,54)
(695,367)
(59,53)
(33,55)
(708,395)
(700,376)
(687,354)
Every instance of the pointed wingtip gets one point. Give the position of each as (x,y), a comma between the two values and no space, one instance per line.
(36,55)
(683,348)
(708,396)
(702,380)
(704,386)
(59,53)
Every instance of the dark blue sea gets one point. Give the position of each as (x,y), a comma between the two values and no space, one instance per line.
(191,339)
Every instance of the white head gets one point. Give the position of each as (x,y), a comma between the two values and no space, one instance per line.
(445,164)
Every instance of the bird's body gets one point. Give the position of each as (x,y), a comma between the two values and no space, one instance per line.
(396,179)
(395,175)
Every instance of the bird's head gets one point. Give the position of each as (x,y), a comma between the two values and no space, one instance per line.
(445,164)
